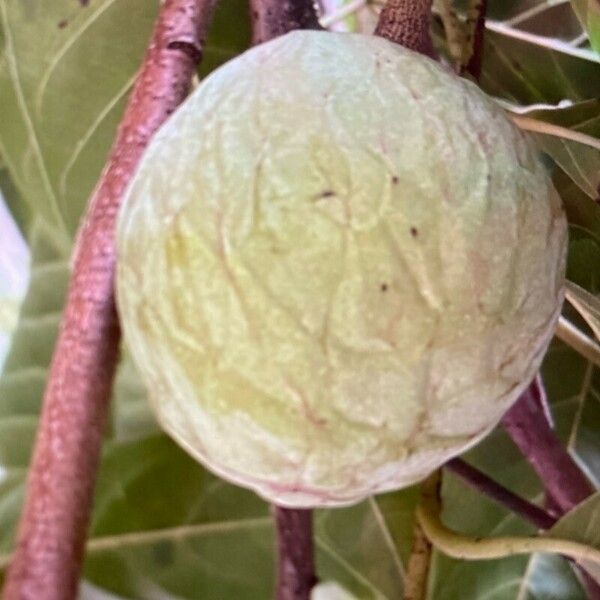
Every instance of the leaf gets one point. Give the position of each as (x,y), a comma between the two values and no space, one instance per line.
(582,524)
(587,304)
(579,161)
(588,12)
(63,95)
(218,537)
(528,69)
(22,380)
(572,386)
(547,18)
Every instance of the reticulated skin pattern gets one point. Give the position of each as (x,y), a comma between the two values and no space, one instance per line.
(338,266)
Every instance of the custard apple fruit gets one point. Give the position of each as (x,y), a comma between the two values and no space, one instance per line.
(338,266)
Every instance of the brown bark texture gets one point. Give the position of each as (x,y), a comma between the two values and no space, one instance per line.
(272,18)
(296,565)
(408,23)
(51,535)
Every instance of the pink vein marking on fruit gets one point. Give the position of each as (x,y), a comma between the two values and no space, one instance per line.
(308,411)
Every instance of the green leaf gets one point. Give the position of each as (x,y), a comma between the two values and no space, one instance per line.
(573,387)
(23,377)
(588,12)
(586,304)
(63,95)
(528,69)
(582,524)
(580,162)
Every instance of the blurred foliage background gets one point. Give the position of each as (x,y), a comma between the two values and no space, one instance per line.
(163,527)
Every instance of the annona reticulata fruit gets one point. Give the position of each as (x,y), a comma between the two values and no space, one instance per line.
(338,266)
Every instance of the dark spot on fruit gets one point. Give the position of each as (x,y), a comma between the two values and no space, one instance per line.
(414,231)
(384,287)
(84,2)
(326,194)
(395,179)
(62,24)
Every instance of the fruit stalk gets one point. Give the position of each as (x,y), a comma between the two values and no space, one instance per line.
(296,569)
(272,18)
(51,536)
(296,566)
(408,23)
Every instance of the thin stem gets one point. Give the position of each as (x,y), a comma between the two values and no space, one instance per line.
(415,586)
(408,23)
(51,537)
(272,18)
(459,545)
(502,496)
(476,27)
(296,566)
(529,429)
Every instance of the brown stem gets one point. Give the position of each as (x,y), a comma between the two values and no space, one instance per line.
(408,23)
(492,489)
(296,569)
(476,24)
(528,425)
(530,430)
(51,537)
(272,18)
(296,566)
(415,587)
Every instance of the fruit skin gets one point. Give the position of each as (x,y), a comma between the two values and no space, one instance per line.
(338,266)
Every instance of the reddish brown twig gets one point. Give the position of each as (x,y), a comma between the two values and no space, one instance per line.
(408,23)
(296,566)
(476,24)
(272,18)
(530,430)
(52,531)
(502,496)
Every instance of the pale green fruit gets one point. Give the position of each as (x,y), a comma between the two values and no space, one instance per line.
(339,264)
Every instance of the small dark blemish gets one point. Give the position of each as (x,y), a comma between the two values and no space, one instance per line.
(84,2)
(414,231)
(327,194)
(395,179)
(62,24)
(384,287)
